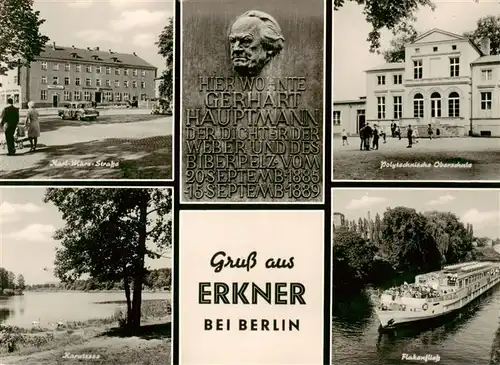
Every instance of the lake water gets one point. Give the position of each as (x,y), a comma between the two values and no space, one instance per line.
(52,307)
(464,338)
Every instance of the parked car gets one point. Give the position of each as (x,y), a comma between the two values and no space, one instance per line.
(80,111)
(132,103)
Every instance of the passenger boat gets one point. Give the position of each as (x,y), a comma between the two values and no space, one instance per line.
(436,293)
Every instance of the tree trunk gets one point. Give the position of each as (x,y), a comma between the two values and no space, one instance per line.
(139,276)
(126,285)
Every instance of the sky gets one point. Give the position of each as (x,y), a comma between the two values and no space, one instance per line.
(479,207)
(120,25)
(351,50)
(27,225)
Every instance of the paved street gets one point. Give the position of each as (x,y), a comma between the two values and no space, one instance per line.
(483,154)
(114,146)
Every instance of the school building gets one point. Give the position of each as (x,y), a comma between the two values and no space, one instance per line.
(63,74)
(446,81)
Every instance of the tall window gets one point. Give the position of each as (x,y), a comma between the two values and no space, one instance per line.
(117,71)
(126,96)
(398,107)
(88,68)
(117,83)
(381,107)
(454,105)
(398,79)
(98,69)
(435,105)
(108,70)
(43,95)
(98,82)
(55,80)
(66,81)
(88,82)
(143,73)
(118,97)
(134,72)
(336,117)
(44,79)
(486,100)
(143,84)
(381,80)
(67,95)
(134,84)
(454,67)
(125,71)
(78,95)
(486,75)
(417,69)
(418,106)
(55,67)
(44,65)
(125,83)
(77,81)
(78,68)
(108,82)
(86,96)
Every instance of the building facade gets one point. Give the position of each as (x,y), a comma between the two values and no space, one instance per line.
(349,115)
(445,80)
(60,75)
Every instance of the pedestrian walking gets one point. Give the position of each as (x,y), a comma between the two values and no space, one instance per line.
(393,129)
(429,131)
(362,137)
(10,120)
(32,124)
(398,132)
(409,134)
(375,137)
(415,135)
(344,138)
(368,136)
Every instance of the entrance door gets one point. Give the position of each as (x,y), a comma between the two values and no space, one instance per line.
(55,100)
(98,97)
(361,119)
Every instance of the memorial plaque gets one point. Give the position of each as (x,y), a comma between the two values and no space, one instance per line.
(252,101)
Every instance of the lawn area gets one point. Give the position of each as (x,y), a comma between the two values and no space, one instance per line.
(482,155)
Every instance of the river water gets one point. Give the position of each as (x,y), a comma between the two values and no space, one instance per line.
(52,307)
(465,338)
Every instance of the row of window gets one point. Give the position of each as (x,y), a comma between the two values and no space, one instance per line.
(418,71)
(397,79)
(88,68)
(435,49)
(418,105)
(88,82)
(87,96)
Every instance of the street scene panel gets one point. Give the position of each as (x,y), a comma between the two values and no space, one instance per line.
(90,103)
(252,101)
(422,100)
(85,275)
(415,276)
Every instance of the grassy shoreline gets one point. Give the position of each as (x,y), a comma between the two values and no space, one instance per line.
(97,337)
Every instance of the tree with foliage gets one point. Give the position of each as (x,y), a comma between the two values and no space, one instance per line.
(21,284)
(487,27)
(405,35)
(408,240)
(377,230)
(20,37)
(108,233)
(166,49)
(482,241)
(391,15)
(352,257)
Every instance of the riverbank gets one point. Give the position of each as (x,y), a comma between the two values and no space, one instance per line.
(97,339)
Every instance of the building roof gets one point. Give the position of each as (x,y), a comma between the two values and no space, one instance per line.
(487,60)
(93,55)
(453,35)
(388,66)
(355,101)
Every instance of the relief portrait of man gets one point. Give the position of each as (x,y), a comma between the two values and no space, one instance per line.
(255,38)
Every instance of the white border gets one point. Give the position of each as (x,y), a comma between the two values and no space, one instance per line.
(181,126)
